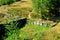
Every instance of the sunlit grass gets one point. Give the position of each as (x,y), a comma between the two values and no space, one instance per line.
(36,32)
(30,31)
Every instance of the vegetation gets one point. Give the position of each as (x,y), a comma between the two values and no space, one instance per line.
(22,12)
(40,6)
(47,8)
(3,2)
(41,9)
(13,31)
(36,32)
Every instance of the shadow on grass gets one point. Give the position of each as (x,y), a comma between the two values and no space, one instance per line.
(54,11)
(4,30)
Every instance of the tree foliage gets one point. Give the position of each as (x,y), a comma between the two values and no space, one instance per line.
(3,2)
(52,5)
(40,6)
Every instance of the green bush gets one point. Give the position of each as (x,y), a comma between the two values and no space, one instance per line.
(52,5)
(3,2)
(40,6)
(33,32)
(13,33)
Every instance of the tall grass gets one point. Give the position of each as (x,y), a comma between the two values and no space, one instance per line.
(13,33)
(40,6)
(33,32)
(22,12)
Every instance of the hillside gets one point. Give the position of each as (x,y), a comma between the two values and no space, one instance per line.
(21,9)
(24,9)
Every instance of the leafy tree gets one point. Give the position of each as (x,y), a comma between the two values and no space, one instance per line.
(41,5)
(4,2)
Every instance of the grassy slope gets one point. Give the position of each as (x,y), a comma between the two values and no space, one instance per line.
(30,31)
(21,8)
(36,32)
(33,32)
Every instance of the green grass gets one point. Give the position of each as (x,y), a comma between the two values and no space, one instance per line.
(13,33)
(30,32)
(4,2)
(36,32)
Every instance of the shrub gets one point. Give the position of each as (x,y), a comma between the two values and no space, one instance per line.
(41,5)
(22,12)
(4,2)
(34,32)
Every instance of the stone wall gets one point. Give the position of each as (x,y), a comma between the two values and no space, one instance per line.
(38,23)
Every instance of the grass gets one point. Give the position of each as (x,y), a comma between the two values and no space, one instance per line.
(13,32)
(33,32)
(30,32)
(36,32)
(5,2)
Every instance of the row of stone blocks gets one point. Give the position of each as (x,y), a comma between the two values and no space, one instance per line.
(38,23)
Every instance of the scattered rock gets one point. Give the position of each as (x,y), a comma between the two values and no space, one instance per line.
(38,23)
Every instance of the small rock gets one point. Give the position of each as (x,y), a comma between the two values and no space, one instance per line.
(34,22)
(41,23)
(45,24)
(37,23)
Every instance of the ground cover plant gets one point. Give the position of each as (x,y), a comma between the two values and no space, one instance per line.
(20,30)
(36,32)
